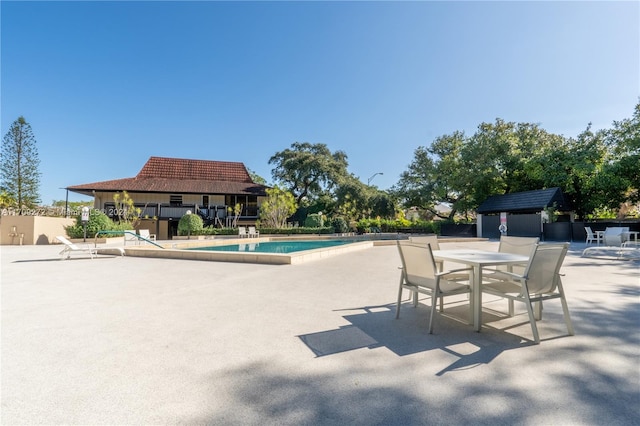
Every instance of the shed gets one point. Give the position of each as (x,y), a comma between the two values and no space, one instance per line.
(525,212)
(526,202)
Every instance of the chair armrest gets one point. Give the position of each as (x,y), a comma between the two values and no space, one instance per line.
(505,276)
(451,271)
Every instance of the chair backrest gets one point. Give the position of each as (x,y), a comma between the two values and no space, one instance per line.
(543,269)
(516,245)
(429,239)
(242,230)
(589,231)
(252,230)
(67,243)
(418,265)
(144,233)
(613,236)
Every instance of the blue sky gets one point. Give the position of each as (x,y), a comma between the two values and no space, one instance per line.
(106,85)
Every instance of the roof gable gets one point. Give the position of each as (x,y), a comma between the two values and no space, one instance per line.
(527,201)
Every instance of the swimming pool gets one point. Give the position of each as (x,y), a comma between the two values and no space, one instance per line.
(275,246)
(245,251)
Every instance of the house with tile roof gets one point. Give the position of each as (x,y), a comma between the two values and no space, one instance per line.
(166,188)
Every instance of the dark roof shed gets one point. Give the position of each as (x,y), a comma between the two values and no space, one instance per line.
(525,202)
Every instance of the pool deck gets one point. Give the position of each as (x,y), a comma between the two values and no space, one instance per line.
(143,340)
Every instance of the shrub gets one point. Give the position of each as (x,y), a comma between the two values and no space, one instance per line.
(340,225)
(190,224)
(98,221)
(314,220)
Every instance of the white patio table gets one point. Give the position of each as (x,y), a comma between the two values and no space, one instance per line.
(478,259)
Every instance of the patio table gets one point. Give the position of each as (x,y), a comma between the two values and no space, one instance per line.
(479,259)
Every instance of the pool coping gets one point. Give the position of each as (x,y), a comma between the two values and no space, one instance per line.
(177,251)
(174,249)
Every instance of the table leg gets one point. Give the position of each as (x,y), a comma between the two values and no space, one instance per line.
(477,298)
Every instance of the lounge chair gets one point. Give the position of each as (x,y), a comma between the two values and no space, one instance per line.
(144,233)
(130,235)
(73,248)
(613,236)
(242,232)
(253,232)
(540,281)
(420,275)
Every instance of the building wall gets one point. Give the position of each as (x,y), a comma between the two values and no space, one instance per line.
(32,230)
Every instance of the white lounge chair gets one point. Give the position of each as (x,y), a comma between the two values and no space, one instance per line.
(420,275)
(242,232)
(144,233)
(540,281)
(613,236)
(131,236)
(73,248)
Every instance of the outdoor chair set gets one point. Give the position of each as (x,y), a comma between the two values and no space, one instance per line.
(617,241)
(523,270)
(252,232)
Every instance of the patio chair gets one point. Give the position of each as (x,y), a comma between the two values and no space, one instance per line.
(73,248)
(428,239)
(540,281)
(613,236)
(514,245)
(253,232)
(592,236)
(420,275)
(432,240)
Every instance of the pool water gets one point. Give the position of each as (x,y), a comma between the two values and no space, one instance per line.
(276,246)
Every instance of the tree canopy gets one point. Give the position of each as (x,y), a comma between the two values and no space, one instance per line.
(19,165)
(308,170)
(594,170)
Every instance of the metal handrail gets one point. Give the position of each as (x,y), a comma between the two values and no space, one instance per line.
(95,242)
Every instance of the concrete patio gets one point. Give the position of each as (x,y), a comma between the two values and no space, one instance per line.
(128,340)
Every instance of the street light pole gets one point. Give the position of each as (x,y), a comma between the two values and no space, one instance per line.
(371,178)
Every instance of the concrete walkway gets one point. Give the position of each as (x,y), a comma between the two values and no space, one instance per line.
(137,341)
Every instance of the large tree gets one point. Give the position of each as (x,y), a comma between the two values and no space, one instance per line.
(19,164)
(308,170)
(435,175)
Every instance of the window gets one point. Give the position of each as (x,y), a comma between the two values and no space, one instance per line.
(175,200)
(249,203)
(205,201)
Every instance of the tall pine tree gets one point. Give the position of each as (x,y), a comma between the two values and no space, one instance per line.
(19,165)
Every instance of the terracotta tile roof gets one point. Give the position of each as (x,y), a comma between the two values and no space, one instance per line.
(176,175)
(178,168)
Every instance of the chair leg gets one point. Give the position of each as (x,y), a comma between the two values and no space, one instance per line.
(565,309)
(538,310)
(399,298)
(532,319)
(511,308)
(434,300)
